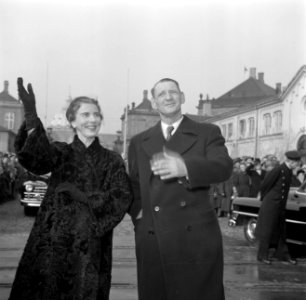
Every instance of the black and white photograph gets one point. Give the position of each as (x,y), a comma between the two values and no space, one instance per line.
(152,150)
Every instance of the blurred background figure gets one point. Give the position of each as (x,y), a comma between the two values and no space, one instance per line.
(241,182)
(256,175)
(226,193)
(5,194)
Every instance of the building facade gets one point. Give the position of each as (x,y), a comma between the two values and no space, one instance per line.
(255,118)
(272,125)
(11,117)
(136,119)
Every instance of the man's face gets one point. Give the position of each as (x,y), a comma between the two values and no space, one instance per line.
(294,164)
(168,99)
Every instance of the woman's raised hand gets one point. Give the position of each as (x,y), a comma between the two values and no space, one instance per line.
(28,99)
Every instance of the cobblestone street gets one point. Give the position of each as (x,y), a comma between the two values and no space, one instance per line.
(244,278)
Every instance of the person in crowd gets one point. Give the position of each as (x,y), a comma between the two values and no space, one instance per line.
(256,175)
(215,198)
(236,167)
(5,160)
(297,175)
(270,229)
(8,174)
(241,182)
(249,161)
(226,192)
(300,174)
(270,164)
(171,166)
(12,174)
(69,251)
(19,180)
(5,194)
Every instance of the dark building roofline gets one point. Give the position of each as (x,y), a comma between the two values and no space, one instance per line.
(248,92)
(244,109)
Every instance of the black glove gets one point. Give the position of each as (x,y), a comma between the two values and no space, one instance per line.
(28,100)
(71,191)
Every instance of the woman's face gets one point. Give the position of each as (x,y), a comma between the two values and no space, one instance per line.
(87,121)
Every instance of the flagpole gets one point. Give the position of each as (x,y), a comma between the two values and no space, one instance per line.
(124,154)
(46,104)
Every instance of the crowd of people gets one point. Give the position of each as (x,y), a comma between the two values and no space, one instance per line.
(11,173)
(248,174)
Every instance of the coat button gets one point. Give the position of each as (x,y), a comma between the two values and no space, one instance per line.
(156,208)
(183,203)
(189,228)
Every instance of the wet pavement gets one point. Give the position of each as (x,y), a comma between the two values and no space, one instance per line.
(244,278)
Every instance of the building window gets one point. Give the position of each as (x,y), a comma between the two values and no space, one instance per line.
(278,120)
(230,130)
(9,119)
(251,126)
(223,130)
(242,128)
(267,123)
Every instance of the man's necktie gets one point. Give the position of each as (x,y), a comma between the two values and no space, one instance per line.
(169,131)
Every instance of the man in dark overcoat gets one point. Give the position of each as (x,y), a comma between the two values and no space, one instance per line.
(178,239)
(271,230)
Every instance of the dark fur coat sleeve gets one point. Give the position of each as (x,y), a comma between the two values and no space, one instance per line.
(35,152)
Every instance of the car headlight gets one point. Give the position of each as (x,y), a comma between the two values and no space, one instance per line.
(29,187)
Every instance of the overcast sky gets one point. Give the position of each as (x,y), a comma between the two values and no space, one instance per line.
(92,47)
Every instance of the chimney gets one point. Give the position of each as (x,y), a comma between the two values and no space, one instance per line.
(6,84)
(278,88)
(204,107)
(200,106)
(253,73)
(133,105)
(207,106)
(261,77)
(145,94)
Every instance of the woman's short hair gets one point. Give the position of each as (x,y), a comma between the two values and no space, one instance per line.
(75,105)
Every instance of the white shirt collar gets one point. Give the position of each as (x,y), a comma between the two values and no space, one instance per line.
(176,124)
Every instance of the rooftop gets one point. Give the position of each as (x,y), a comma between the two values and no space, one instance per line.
(248,92)
(4,95)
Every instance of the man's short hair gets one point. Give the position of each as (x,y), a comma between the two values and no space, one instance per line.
(164,80)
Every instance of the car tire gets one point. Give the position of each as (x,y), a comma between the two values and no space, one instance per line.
(29,211)
(249,227)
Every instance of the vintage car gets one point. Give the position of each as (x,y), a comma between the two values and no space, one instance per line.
(32,192)
(245,211)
